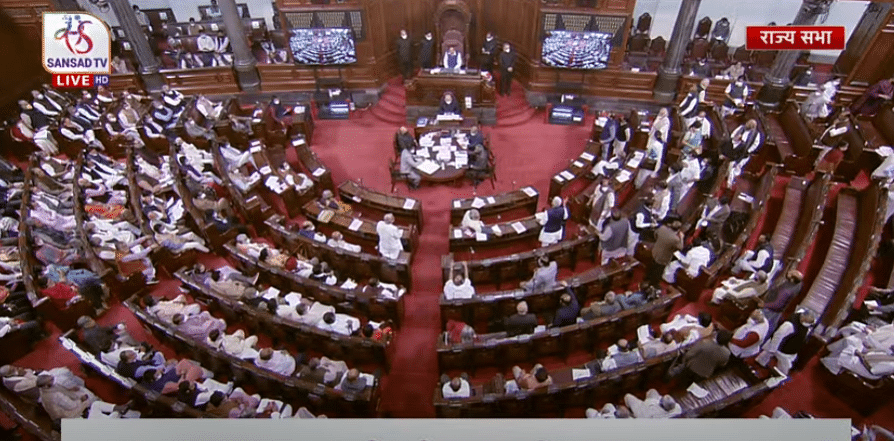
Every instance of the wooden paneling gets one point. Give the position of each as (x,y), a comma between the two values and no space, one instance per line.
(20,40)
(208,80)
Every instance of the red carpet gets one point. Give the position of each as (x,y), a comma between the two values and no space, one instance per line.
(528,151)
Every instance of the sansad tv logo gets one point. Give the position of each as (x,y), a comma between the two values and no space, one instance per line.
(76,49)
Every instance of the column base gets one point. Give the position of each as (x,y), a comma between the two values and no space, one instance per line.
(665,90)
(248,77)
(771,95)
(152,81)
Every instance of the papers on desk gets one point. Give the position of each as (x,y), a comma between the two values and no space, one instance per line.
(600,122)
(529,191)
(436,71)
(697,390)
(298,141)
(623,176)
(481,237)
(679,255)
(355,225)
(255,149)
(445,141)
(580,374)
(457,203)
(409,204)
(578,164)
(491,200)
(745,198)
(566,175)
(457,233)
(559,178)
(444,155)
(636,159)
(496,230)
(325,216)
(422,153)
(428,167)
(462,159)
(319,172)
(518,227)
(478,203)
(356,199)
(266,170)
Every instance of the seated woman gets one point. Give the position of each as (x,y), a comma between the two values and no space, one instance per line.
(449,105)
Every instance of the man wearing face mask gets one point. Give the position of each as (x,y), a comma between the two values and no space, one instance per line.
(426,50)
(747,339)
(453,59)
(507,69)
(405,54)
(277,114)
(735,97)
(488,51)
(45,105)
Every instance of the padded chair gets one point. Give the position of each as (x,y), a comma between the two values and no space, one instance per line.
(698,49)
(703,28)
(643,24)
(742,55)
(453,38)
(396,175)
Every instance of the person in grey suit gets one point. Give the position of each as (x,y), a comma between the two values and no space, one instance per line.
(544,276)
(408,162)
(714,214)
(520,323)
(608,306)
(624,356)
(703,359)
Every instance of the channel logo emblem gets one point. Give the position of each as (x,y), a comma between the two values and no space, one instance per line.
(77,49)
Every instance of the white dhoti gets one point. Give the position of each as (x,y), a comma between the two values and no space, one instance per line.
(547,239)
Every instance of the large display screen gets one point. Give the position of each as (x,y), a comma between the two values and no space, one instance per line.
(577,50)
(323,46)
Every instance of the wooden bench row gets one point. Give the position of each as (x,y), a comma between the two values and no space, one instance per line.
(518,266)
(407,210)
(289,388)
(497,350)
(333,345)
(30,416)
(359,265)
(588,285)
(748,186)
(351,301)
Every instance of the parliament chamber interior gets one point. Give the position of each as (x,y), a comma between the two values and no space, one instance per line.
(643,217)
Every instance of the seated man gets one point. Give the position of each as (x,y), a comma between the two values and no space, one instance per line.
(133,365)
(479,165)
(609,412)
(748,338)
(654,347)
(632,300)
(236,344)
(458,286)
(608,306)
(690,328)
(865,350)
(61,402)
(23,381)
(352,382)
(521,322)
(198,326)
(698,257)
(759,259)
(544,277)
(280,362)
(449,105)
(405,139)
(338,241)
(458,387)
(654,406)
(568,311)
(625,356)
(166,380)
(741,289)
(165,310)
(537,378)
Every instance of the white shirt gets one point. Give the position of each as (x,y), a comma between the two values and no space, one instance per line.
(464,291)
(761,329)
(695,259)
(390,245)
(464,390)
(280,362)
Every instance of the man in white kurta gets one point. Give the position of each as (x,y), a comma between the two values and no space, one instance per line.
(747,339)
(390,245)
(698,257)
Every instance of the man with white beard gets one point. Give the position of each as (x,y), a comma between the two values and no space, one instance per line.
(747,339)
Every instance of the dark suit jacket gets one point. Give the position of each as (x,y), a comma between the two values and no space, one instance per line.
(705,357)
(666,242)
(518,324)
(404,50)
(567,315)
(507,60)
